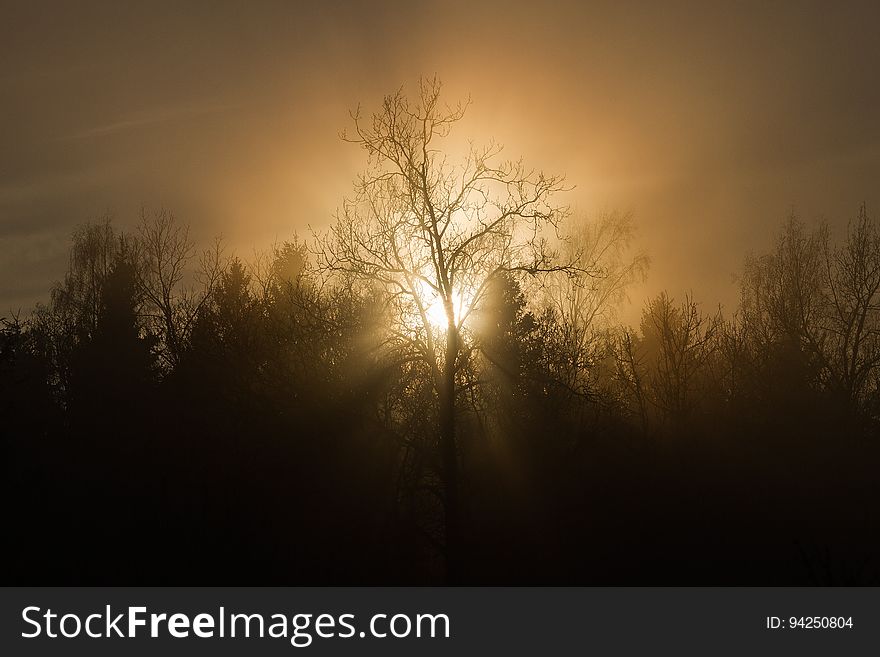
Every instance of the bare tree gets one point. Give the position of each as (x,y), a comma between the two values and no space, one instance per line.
(172,292)
(630,375)
(586,305)
(72,314)
(676,344)
(852,317)
(430,235)
(77,300)
(784,296)
(820,301)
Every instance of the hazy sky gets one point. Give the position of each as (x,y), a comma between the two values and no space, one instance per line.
(710,124)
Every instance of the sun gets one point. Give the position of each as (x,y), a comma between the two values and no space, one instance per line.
(436,313)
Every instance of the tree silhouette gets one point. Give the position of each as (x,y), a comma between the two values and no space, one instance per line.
(852,318)
(165,257)
(431,235)
(585,305)
(440,389)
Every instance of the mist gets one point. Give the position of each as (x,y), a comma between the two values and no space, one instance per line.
(709,124)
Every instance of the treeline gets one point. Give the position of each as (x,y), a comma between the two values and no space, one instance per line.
(176,415)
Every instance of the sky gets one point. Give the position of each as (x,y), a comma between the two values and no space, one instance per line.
(711,124)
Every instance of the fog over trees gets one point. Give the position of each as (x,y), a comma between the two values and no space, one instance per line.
(439,389)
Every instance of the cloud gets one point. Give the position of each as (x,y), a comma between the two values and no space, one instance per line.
(147,118)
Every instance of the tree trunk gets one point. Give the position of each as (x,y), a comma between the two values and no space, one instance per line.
(449,458)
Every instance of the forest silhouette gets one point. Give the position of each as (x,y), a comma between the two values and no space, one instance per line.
(438,389)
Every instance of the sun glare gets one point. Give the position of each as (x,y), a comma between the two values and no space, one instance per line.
(436,313)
